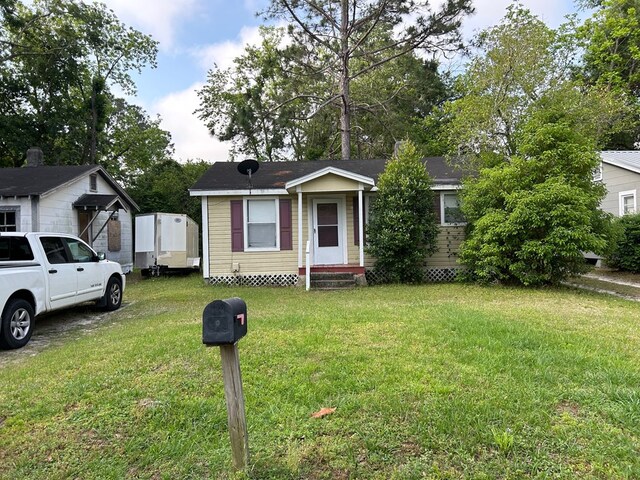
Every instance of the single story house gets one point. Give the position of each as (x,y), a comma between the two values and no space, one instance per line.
(620,173)
(256,229)
(83,200)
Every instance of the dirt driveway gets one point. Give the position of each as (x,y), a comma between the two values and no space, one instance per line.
(58,327)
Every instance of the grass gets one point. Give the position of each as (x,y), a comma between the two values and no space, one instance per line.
(437,381)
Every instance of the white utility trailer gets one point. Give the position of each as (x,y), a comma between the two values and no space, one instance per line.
(166,243)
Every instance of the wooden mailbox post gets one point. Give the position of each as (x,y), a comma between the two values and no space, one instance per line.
(224,322)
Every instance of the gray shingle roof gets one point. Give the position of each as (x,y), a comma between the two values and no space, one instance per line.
(25,181)
(274,175)
(629,159)
(90,201)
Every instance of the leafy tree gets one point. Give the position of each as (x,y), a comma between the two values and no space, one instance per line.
(269,103)
(58,59)
(611,42)
(530,219)
(402,228)
(625,244)
(164,187)
(247,103)
(350,38)
(518,62)
(132,142)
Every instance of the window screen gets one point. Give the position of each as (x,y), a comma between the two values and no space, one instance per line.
(261,223)
(451,205)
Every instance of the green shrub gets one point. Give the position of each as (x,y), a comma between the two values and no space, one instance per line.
(402,227)
(625,244)
(530,218)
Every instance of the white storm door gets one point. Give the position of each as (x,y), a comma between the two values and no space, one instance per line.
(328,227)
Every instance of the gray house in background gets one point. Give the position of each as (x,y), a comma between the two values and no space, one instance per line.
(620,173)
(82,200)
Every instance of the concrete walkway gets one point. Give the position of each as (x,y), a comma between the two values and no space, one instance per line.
(611,280)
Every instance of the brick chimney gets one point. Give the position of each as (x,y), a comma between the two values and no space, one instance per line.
(35,157)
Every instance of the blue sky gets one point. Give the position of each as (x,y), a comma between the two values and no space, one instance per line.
(193,34)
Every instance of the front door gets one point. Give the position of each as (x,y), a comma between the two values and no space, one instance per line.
(328,226)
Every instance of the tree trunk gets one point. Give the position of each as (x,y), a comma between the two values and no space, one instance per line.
(93,128)
(345,117)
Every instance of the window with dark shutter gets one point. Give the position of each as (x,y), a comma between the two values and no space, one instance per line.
(436,207)
(237,231)
(286,230)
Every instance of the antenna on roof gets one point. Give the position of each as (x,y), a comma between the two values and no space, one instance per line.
(248,167)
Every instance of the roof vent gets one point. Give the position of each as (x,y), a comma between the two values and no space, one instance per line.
(35,157)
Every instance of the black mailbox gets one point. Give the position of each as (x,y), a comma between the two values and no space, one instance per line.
(224,322)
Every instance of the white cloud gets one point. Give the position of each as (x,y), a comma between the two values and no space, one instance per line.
(159,18)
(490,12)
(223,53)
(190,136)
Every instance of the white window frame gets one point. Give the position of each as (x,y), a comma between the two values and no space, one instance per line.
(16,211)
(597,173)
(245,221)
(442,222)
(93,182)
(622,196)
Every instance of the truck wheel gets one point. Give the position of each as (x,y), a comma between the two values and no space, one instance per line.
(17,324)
(113,295)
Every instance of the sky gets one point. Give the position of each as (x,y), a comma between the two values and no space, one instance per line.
(194,35)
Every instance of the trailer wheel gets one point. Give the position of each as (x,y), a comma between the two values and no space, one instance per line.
(113,294)
(17,324)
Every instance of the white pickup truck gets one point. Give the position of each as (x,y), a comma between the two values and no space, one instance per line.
(41,272)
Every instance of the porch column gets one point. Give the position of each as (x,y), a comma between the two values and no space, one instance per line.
(206,237)
(300,239)
(361,225)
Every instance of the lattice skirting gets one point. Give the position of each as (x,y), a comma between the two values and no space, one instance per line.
(272,280)
(442,274)
(433,275)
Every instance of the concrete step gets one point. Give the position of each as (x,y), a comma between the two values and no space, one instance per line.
(331,276)
(332,280)
(332,284)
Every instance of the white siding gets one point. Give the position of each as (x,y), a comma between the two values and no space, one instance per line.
(23,206)
(58,215)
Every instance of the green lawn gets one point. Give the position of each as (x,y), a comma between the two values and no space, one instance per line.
(436,381)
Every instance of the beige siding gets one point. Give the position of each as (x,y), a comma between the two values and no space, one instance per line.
(329,183)
(354,250)
(618,180)
(221,257)
(448,241)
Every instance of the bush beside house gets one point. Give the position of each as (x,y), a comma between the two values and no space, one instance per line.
(403,227)
(625,244)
